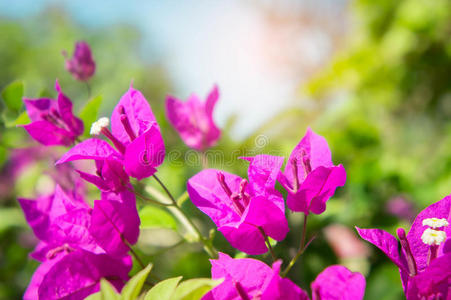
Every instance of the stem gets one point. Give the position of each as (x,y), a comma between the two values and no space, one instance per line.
(300,250)
(271,250)
(304,229)
(148,199)
(204,160)
(135,255)
(88,87)
(211,251)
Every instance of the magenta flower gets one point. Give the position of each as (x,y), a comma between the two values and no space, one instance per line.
(247,278)
(76,275)
(136,136)
(243,210)
(81,65)
(115,222)
(194,120)
(337,282)
(52,121)
(310,176)
(79,245)
(421,247)
(61,221)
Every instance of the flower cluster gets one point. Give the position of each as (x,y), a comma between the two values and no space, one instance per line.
(248,211)
(79,244)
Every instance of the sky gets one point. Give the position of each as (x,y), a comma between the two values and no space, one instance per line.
(228,43)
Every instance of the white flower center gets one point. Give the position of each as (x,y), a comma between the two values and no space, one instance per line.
(433,237)
(97,126)
(435,222)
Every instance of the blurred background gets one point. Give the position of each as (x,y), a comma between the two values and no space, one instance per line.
(372,77)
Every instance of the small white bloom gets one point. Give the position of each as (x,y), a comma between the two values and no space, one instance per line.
(435,222)
(433,237)
(97,126)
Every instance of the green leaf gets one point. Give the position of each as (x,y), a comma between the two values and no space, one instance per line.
(89,113)
(133,287)
(156,217)
(107,292)
(12,120)
(12,96)
(163,290)
(22,119)
(194,289)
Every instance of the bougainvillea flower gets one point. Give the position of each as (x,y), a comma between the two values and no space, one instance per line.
(243,210)
(310,176)
(424,244)
(52,121)
(193,120)
(76,275)
(248,278)
(137,140)
(337,282)
(81,65)
(115,222)
(61,222)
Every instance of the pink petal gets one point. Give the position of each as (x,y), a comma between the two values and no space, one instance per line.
(65,110)
(31,292)
(193,120)
(183,119)
(385,242)
(94,179)
(314,147)
(139,114)
(90,149)
(145,153)
(318,187)
(337,282)
(73,228)
(207,194)
(436,278)
(264,213)
(252,274)
(263,171)
(48,134)
(113,221)
(244,237)
(35,107)
(282,288)
(77,275)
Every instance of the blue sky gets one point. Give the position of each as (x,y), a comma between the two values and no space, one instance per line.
(204,42)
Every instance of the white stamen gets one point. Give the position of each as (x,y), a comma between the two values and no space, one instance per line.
(433,237)
(97,126)
(435,222)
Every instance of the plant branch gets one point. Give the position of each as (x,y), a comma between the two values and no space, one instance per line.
(179,213)
(268,244)
(301,249)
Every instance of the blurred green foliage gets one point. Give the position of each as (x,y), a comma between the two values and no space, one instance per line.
(383,104)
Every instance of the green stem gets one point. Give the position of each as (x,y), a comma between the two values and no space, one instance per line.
(268,244)
(175,208)
(203,160)
(135,255)
(300,250)
(139,195)
(89,89)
